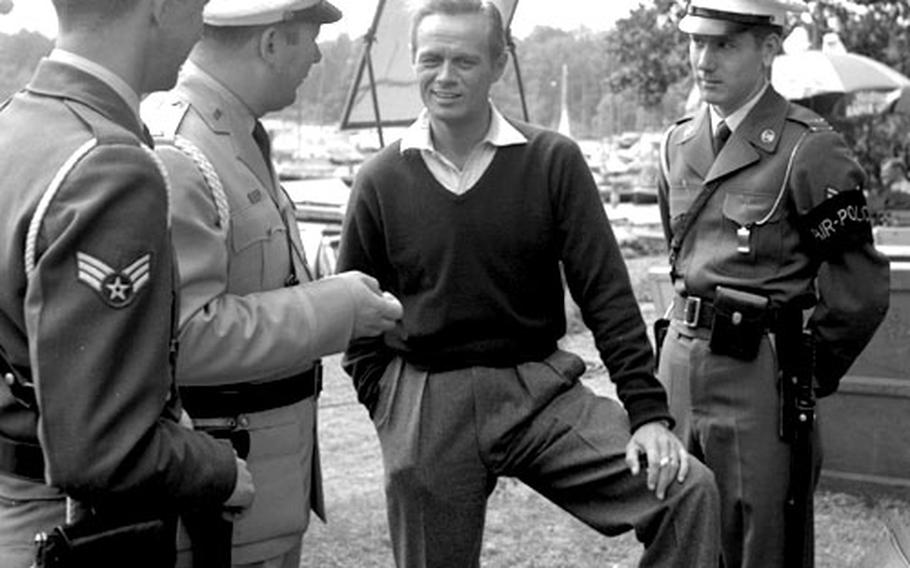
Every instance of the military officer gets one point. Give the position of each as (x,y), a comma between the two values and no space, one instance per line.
(88,405)
(763,207)
(252,323)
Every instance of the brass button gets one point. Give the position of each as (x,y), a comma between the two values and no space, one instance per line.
(243,421)
(737,318)
(9,379)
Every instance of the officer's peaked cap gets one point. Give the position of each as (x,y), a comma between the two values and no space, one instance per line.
(724,17)
(225,13)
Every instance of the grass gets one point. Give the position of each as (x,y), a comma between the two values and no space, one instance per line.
(523,529)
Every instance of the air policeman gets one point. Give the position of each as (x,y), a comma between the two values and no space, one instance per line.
(762,203)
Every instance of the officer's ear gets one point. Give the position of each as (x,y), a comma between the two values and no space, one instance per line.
(770,48)
(269,47)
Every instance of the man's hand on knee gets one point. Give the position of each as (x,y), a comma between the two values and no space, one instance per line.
(666,457)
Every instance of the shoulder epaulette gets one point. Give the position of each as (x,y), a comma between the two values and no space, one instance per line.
(684,119)
(163,113)
(808,118)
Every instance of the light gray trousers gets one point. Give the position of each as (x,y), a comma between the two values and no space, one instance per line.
(727,412)
(446,438)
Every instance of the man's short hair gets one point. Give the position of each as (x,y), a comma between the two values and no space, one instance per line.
(234,37)
(497,36)
(90,14)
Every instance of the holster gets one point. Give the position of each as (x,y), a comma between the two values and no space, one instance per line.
(109,541)
(211,535)
(660,327)
(740,321)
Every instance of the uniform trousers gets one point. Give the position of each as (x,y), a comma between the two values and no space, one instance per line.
(289,559)
(446,437)
(281,460)
(26,508)
(727,411)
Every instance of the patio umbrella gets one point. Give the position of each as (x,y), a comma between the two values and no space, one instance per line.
(809,73)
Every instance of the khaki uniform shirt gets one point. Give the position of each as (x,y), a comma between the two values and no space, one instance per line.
(779,224)
(242,318)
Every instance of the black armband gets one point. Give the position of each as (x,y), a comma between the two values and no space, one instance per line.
(839,223)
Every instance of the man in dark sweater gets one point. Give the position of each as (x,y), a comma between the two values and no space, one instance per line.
(466,221)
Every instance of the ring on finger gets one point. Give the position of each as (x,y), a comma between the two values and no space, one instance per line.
(664,461)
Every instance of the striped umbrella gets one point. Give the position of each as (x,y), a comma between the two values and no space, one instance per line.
(810,73)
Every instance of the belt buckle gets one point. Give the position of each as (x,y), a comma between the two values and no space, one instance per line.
(692,311)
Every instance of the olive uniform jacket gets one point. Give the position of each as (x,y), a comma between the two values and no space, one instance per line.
(787,220)
(243,318)
(86,303)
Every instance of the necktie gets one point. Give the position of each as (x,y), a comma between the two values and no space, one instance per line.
(147,136)
(261,137)
(721,134)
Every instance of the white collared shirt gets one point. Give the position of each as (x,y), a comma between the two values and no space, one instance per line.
(736,117)
(102,73)
(458,181)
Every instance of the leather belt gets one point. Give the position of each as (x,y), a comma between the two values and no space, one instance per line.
(22,459)
(245,398)
(696,312)
(25,460)
(693,311)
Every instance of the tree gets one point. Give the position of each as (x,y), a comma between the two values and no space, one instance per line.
(541,57)
(880,30)
(321,97)
(649,52)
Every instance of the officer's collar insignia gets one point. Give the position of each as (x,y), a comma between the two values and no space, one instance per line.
(831,192)
(117,288)
(768,136)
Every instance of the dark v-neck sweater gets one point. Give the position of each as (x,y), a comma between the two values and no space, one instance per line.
(478,274)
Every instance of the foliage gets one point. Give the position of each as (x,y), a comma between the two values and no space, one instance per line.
(541,57)
(633,77)
(650,52)
(880,30)
(322,95)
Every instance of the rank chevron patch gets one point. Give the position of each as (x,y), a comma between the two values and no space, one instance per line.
(116,288)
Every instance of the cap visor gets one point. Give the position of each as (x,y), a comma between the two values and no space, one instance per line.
(698,25)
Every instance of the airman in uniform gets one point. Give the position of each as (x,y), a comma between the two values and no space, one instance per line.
(88,405)
(763,206)
(253,323)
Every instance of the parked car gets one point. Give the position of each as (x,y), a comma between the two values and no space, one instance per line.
(321,203)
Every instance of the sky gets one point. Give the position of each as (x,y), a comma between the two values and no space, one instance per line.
(38,15)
